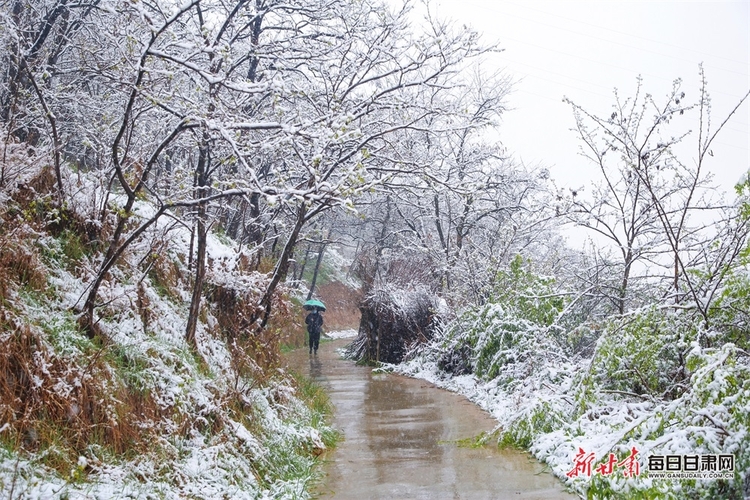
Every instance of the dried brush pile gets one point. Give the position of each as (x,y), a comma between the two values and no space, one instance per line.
(394,322)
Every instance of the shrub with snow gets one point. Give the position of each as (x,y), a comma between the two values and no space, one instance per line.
(652,383)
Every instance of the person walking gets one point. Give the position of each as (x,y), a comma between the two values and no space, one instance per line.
(314,322)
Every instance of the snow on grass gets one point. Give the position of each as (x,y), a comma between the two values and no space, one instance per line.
(220,435)
(558,408)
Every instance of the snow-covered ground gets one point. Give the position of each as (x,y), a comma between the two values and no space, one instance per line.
(341,334)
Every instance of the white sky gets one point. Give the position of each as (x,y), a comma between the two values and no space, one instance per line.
(584,49)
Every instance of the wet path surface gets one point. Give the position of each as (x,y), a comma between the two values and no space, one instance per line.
(400,440)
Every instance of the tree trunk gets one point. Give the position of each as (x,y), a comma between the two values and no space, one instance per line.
(87,321)
(281,269)
(200,274)
(201,237)
(317,269)
(301,268)
(677,275)
(625,283)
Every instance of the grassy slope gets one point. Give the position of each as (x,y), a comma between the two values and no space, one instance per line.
(140,414)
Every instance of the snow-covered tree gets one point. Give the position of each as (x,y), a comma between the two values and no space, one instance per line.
(651,201)
(205,110)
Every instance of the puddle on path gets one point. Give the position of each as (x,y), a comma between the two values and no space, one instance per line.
(400,440)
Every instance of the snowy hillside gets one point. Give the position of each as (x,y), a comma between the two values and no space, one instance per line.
(137,412)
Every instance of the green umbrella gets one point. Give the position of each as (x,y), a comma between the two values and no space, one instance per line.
(315,304)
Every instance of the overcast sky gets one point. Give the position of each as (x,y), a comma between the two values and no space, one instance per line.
(583,50)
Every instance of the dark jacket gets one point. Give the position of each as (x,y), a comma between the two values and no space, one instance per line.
(314,322)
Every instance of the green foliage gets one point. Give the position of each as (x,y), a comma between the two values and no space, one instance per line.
(606,487)
(42,209)
(505,335)
(585,395)
(500,342)
(132,367)
(730,312)
(64,335)
(527,295)
(67,249)
(541,418)
(60,328)
(479,441)
(291,457)
(711,416)
(72,246)
(743,192)
(719,401)
(319,403)
(643,353)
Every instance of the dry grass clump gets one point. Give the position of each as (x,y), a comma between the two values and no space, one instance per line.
(166,275)
(343,306)
(39,186)
(287,321)
(233,310)
(32,210)
(19,266)
(60,407)
(58,404)
(255,353)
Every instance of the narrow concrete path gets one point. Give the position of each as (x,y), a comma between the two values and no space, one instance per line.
(401,440)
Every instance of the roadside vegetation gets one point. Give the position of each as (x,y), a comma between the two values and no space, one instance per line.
(635,345)
(669,376)
(136,411)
